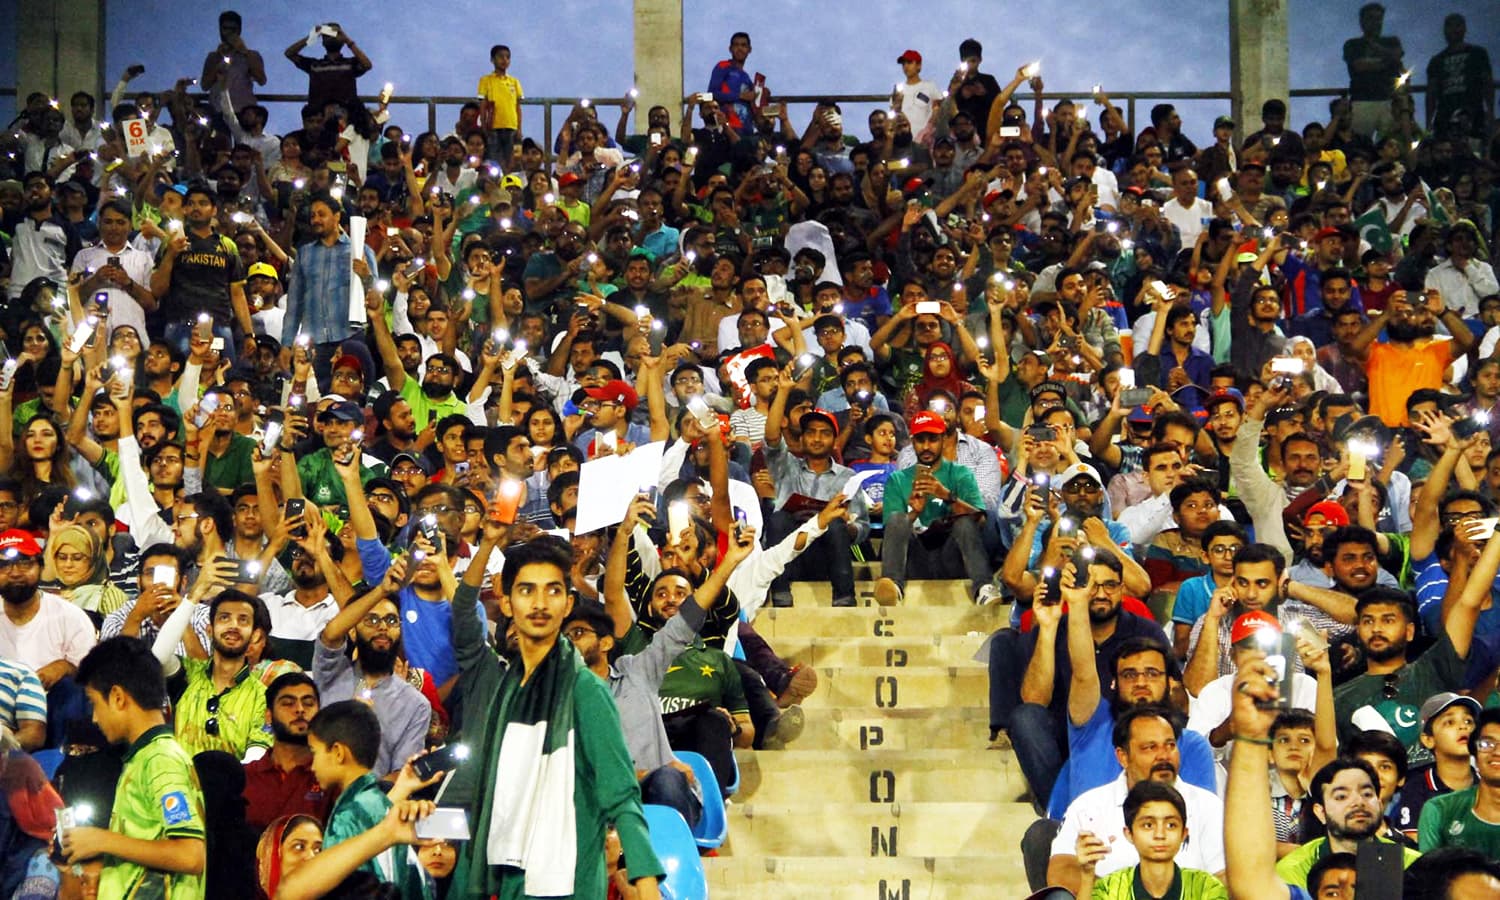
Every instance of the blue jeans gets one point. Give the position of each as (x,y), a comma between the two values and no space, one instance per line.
(1007,667)
(669,787)
(178,334)
(1039,737)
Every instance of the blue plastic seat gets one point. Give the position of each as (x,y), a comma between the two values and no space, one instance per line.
(734,786)
(49,760)
(674,846)
(712,825)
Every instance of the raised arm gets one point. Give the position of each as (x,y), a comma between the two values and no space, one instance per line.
(1250,859)
(385,344)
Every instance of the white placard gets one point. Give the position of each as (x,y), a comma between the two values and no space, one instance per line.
(607,485)
(137,136)
(356,287)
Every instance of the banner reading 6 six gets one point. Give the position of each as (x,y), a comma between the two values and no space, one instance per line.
(136,137)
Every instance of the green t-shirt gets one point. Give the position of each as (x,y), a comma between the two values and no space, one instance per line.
(957,479)
(157,797)
(239,719)
(424,409)
(1187,884)
(359,808)
(699,675)
(321,482)
(1293,867)
(1439,669)
(1449,821)
(454,287)
(234,468)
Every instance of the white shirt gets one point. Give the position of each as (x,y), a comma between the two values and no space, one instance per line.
(1462,289)
(1108,185)
(916,103)
(1392,208)
(1188,219)
(292,621)
(1150,518)
(1100,811)
(856,334)
(137,263)
(59,630)
(1210,708)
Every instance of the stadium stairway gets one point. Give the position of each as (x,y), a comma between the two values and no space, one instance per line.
(890,792)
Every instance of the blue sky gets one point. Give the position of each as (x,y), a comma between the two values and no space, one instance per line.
(802,47)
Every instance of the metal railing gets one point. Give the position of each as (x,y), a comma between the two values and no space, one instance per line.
(1127,100)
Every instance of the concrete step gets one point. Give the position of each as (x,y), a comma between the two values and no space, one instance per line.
(890,622)
(997,874)
(913,686)
(916,593)
(876,829)
(878,776)
(934,650)
(963,728)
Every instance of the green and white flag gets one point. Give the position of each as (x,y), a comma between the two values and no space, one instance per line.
(1374,230)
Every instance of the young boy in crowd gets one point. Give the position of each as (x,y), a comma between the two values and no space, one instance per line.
(1156,825)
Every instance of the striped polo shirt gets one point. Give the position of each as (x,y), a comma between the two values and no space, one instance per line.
(21,696)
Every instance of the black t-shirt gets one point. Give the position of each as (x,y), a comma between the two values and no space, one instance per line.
(1380,83)
(331,80)
(201,277)
(978,105)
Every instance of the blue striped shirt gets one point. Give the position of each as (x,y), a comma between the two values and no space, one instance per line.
(21,696)
(317,296)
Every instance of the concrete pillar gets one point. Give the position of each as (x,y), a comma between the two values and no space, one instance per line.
(60,49)
(658,59)
(1257,59)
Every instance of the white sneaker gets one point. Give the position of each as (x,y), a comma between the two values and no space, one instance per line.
(988,595)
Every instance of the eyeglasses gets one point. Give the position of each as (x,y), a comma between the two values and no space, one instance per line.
(1391,687)
(1225,550)
(350,376)
(579,631)
(439,370)
(9,505)
(1082,487)
(436,509)
(1486,745)
(163,460)
(1109,586)
(389,620)
(1139,674)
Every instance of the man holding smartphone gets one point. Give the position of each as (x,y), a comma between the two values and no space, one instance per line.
(119,287)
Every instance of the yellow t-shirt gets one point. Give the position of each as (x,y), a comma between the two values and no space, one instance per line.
(504,91)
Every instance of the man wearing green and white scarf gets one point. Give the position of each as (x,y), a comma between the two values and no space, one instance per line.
(550,769)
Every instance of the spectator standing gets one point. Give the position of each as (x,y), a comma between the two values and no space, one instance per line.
(1375,63)
(733,87)
(333,77)
(232,66)
(502,93)
(1460,83)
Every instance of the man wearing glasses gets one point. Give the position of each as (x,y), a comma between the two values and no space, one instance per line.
(375,621)
(224,705)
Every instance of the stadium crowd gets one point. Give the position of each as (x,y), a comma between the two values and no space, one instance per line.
(367,494)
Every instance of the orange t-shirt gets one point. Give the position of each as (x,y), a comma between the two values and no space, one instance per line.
(1395,372)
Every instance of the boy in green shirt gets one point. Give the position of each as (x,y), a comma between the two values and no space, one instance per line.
(1156,826)
(155,844)
(345,738)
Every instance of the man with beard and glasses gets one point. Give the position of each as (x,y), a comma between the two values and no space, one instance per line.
(1412,357)
(223,706)
(281,783)
(1345,797)
(1038,727)
(375,621)
(1145,741)
(1144,671)
(299,616)
(434,396)
(42,630)
(424,601)
(635,682)
(1393,686)
(42,243)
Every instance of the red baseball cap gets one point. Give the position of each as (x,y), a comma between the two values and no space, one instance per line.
(1332,512)
(928,423)
(1251,623)
(349,361)
(615,391)
(16,542)
(1327,233)
(568,178)
(910,56)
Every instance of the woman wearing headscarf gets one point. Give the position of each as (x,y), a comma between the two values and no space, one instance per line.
(939,373)
(286,844)
(75,566)
(231,841)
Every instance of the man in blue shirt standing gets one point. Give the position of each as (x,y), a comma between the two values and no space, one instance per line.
(732,86)
(317,297)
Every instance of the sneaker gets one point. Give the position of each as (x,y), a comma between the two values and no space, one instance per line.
(988,595)
(1000,741)
(842,603)
(887,592)
(786,728)
(781,601)
(803,681)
